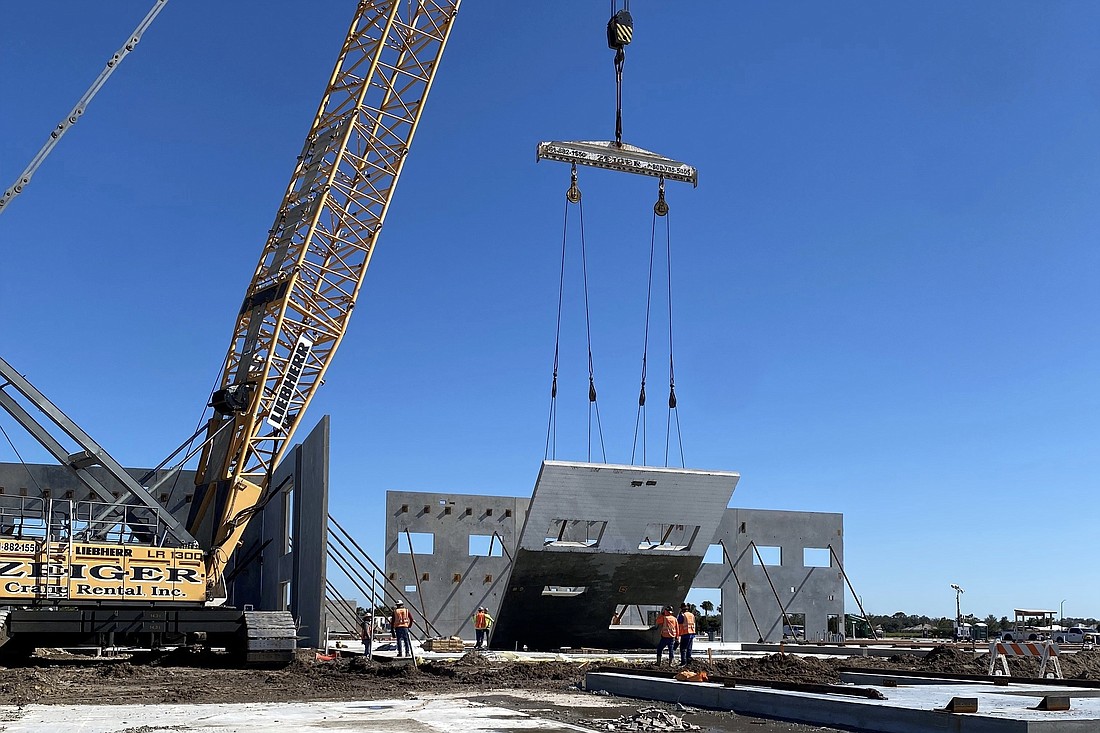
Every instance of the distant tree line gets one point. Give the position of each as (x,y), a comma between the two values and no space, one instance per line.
(902,623)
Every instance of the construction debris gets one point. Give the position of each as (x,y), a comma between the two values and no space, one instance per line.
(452,645)
(645,720)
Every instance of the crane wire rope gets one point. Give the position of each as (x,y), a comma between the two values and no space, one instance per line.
(672,411)
(74,115)
(573,196)
(552,421)
(593,405)
(640,419)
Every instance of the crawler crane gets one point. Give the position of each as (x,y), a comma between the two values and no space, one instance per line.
(115,566)
(110,563)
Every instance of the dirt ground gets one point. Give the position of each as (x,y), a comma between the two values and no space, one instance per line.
(185,676)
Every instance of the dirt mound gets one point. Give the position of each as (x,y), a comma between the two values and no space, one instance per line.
(1083,665)
(951,660)
(774,667)
(490,675)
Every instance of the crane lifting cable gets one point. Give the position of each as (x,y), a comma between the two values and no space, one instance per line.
(82,104)
(660,211)
(615,154)
(618,156)
(573,198)
(620,31)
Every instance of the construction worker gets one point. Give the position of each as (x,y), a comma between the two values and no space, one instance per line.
(686,622)
(482,623)
(670,630)
(401,621)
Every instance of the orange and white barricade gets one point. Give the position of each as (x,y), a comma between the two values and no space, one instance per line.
(1045,651)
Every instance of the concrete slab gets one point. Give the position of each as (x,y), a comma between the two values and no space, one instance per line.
(375,716)
(907,709)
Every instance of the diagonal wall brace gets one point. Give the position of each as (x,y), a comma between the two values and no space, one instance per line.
(91,453)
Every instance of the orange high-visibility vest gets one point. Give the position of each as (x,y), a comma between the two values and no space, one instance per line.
(481,620)
(688,626)
(402,619)
(669,627)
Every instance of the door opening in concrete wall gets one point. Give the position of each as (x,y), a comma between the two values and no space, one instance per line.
(563,591)
(767,555)
(485,545)
(423,543)
(714,555)
(708,601)
(816,557)
(574,533)
(669,537)
(795,626)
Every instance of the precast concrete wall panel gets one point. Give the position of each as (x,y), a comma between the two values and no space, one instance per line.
(454,571)
(815,592)
(47,481)
(599,537)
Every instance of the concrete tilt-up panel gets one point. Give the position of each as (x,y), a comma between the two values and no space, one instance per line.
(599,538)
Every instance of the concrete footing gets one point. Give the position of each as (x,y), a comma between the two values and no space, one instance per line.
(907,709)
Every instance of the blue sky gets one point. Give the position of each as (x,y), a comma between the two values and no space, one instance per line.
(885,284)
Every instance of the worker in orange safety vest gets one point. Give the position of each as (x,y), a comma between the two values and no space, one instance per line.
(401,621)
(686,621)
(670,631)
(482,623)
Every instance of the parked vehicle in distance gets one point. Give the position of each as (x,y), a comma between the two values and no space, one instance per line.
(1075,635)
(1029,625)
(794,631)
(1023,635)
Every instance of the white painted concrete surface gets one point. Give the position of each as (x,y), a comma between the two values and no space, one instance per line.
(442,714)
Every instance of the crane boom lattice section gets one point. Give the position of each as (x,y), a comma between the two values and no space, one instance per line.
(297,306)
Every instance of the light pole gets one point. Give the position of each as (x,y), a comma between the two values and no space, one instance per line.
(958,609)
(1062,612)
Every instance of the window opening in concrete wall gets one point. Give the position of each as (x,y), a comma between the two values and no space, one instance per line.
(469,511)
(488,578)
(425,576)
(404,508)
(714,555)
(485,545)
(574,533)
(410,589)
(456,578)
(489,512)
(742,528)
(816,557)
(563,591)
(769,555)
(423,543)
(507,512)
(668,537)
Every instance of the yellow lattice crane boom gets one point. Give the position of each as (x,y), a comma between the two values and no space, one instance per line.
(296,309)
